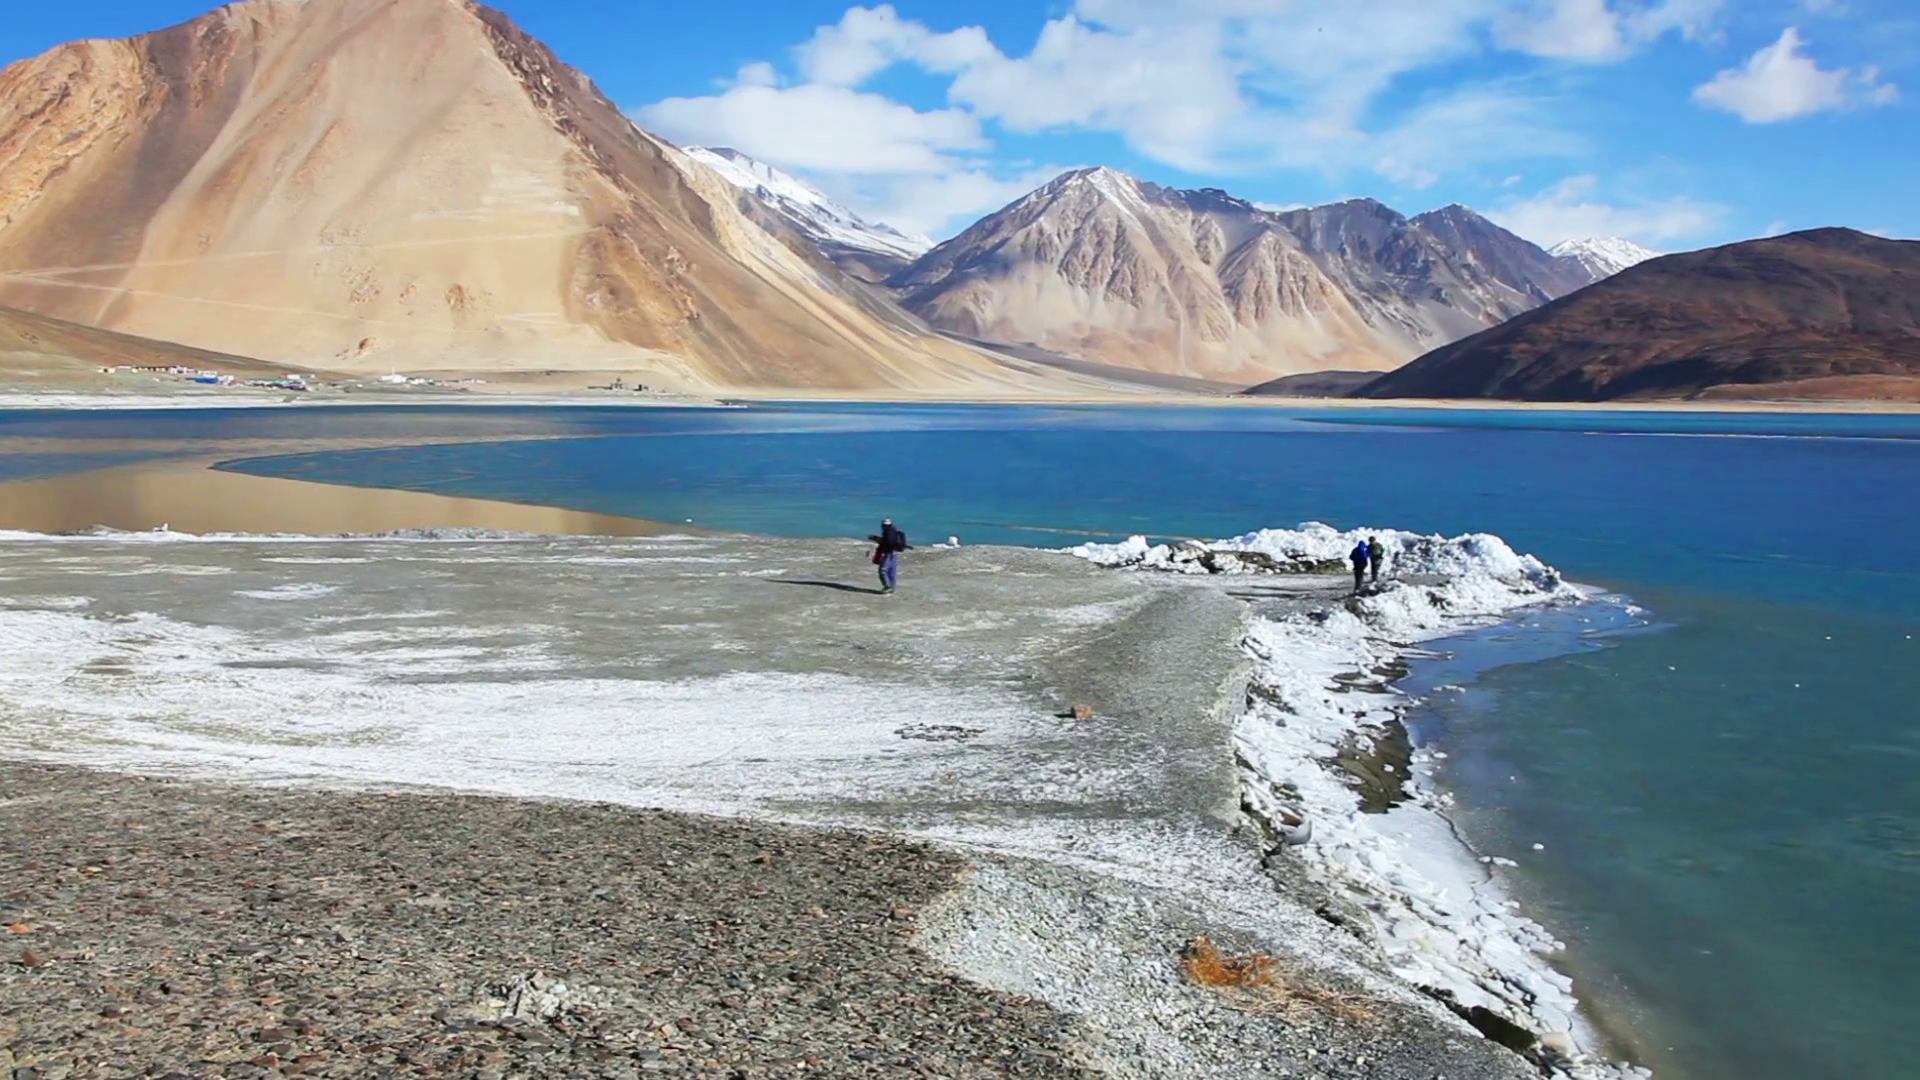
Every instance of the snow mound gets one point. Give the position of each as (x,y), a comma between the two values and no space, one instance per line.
(1437,913)
(1479,562)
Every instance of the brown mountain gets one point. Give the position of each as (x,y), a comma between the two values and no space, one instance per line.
(1824,313)
(35,349)
(1108,268)
(355,184)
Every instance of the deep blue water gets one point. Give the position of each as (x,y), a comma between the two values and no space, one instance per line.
(1727,798)
(1746,504)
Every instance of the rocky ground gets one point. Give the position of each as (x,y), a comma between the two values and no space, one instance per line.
(171,929)
(166,929)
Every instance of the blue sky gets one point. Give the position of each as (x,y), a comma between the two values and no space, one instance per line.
(1676,123)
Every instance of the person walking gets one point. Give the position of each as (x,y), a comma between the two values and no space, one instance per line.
(886,554)
(1375,556)
(1361,558)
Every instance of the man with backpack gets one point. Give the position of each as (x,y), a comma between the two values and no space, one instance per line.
(1361,558)
(886,554)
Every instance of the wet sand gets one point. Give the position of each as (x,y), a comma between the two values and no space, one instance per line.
(197,498)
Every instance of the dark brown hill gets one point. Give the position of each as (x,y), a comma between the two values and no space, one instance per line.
(1832,305)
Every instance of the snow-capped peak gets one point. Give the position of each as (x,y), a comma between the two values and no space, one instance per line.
(825,221)
(1111,183)
(1603,256)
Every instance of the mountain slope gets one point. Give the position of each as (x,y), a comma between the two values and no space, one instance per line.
(866,249)
(1100,265)
(1602,256)
(37,349)
(1830,304)
(357,183)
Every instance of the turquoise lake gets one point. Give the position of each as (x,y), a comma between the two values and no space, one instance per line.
(1726,785)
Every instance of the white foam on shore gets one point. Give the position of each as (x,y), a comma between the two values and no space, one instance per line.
(1438,915)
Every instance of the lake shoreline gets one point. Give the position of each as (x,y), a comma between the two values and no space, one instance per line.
(201,497)
(84,400)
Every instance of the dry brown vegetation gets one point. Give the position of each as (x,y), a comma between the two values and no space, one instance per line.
(1254,982)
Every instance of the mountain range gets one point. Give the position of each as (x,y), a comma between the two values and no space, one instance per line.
(363,185)
(1104,267)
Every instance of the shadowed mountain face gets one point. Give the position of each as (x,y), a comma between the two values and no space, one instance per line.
(1832,312)
(355,184)
(1100,265)
(1321,384)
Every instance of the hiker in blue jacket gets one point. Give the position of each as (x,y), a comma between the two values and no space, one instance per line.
(1362,557)
(886,554)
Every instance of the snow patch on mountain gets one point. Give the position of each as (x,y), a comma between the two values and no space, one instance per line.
(1603,256)
(823,220)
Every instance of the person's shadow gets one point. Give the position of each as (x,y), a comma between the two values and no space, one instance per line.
(835,585)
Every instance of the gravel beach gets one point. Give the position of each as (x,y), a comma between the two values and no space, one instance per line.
(188,929)
(161,928)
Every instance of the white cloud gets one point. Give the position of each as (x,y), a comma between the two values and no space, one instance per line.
(1208,86)
(1487,124)
(1693,20)
(819,127)
(1877,92)
(1775,227)
(1779,82)
(867,41)
(1573,29)
(1166,91)
(936,205)
(1203,85)
(1569,211)
(760,73)
(1600,30)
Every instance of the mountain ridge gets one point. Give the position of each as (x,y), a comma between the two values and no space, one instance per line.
(1107,267)
(1832,307)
